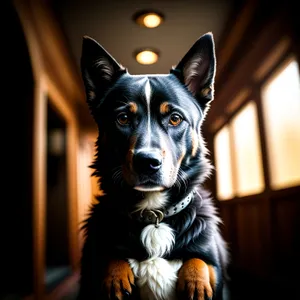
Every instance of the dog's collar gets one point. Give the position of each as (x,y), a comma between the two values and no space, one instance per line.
(155,216)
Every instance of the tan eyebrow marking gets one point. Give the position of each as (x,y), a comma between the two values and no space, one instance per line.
(164,108)
(133,107)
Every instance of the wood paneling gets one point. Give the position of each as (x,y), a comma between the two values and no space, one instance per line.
(268,251)
(262,231)
(286,235)
(54,80)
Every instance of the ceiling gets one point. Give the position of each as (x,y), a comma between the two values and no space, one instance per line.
(110,23)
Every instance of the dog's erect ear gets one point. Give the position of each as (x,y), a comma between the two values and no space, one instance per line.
(99,70)
(197,69)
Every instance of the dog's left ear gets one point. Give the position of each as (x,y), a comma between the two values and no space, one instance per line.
(197,69)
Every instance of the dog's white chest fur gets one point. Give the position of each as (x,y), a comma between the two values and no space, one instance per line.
(156,277)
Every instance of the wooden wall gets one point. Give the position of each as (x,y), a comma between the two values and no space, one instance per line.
(262,231)
(40,73)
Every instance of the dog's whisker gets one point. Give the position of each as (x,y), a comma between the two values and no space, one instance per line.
(178,184)
(186,167)
(118,179)
(116,168)
(182,178)
(117,175)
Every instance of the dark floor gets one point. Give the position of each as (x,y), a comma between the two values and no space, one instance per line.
(241,287)
(246,287)
(72,295)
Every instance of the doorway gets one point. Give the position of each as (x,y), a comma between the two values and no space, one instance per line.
(57,238)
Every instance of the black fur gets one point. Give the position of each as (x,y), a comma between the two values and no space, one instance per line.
(112,231)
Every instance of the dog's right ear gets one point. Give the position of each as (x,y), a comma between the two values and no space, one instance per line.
(99,70)
(197,68)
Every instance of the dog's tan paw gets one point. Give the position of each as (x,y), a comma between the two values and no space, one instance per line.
(194,280)
(119,279)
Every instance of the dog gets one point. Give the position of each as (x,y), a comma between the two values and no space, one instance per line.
(154,233)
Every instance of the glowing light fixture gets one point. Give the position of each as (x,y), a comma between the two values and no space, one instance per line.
(146,56)
(149,19)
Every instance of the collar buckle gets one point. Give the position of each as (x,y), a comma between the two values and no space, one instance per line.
(152,216)
(155,216)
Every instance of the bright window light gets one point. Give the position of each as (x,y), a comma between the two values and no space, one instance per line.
(223,164)
(281,109)
(247,153)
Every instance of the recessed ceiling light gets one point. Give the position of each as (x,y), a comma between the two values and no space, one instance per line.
(149,19)
(146,56)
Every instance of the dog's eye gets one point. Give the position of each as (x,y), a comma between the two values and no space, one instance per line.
(123,119)
(175,120)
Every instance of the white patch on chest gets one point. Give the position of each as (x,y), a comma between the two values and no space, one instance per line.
(156,278)
(152,200)
(157,241)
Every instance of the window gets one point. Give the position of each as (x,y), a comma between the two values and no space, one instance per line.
(223,164)
(246,149)
(281,109)
(238,157)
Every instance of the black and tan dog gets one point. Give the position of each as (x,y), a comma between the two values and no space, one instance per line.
(154,233)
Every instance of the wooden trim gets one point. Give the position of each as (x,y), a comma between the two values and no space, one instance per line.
(272,59)
(39,187)
(271,194)
(234,175)
(244,71)
(257,97)
(237,31)
(231,109)
(285,59)
(39,158)
(238,101)
(45,86)
(218,124)
(39,22)
(55,52)
(59,101)
(36,58)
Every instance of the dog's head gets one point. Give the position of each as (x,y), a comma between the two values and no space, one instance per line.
(149,125)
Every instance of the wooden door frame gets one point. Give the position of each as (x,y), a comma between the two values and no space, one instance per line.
(46,89)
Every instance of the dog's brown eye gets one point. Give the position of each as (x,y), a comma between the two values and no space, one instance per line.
(175,120)
(123,119)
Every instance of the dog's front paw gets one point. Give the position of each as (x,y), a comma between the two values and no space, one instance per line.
(194,280)
(119,279)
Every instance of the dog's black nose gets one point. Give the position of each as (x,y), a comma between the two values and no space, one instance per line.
(147,162)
